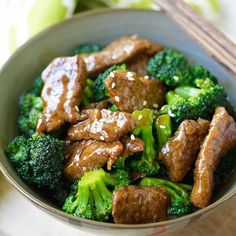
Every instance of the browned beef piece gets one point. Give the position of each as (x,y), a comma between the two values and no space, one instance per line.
(64,80)
(138,64)
(119,51)
(130,92)
(103,125)
(99,105)
(131,145)
(136,176)
(180,152)
(88,155)
(136,205)
(221,138)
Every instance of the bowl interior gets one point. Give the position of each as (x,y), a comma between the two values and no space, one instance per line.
(99,27)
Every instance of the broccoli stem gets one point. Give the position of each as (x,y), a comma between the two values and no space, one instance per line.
(172,97)
(164,130)
(187,91)
(148,138)
(83,197)
(186,187)
(148,162)
(172,188)
(92,199)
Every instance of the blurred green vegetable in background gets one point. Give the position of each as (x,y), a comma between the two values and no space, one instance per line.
(21,19)
(17,26)
(83,5)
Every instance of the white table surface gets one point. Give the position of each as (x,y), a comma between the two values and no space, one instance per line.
(19,217)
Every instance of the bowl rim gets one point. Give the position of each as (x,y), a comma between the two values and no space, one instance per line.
(56,212)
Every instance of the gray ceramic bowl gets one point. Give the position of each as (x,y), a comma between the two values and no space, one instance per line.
(101,27)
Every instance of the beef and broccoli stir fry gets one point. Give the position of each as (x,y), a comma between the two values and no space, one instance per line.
(128,133)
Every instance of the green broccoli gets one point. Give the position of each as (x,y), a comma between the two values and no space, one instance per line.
(38,160)
(169,66)
(37,87)
(18,152)
(114,108)
(172,68)
(180,203)
(99,87)
(88,93)
(195,102)
(226,167)
(87,48)
(199,72)
(148,162)
(30,109)
(119,164)
(164,130)
(92,199)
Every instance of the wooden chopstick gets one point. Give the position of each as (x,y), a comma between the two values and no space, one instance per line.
(215,34)
(201,34)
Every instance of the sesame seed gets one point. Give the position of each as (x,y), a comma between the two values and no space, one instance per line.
(129,74)
(130,78)
(132,137)
(155,105)
(140,117)
(144,103)
(146,77)
(77,108)
(113,85)
(102,138)
(117,99)
(112,75)
(176,78)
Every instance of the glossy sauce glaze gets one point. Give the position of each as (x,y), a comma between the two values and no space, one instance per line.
(119,51)
(103,125)
(180,152)
(63,80)
(221,138)
(88,155)
(138,64)
(130,92)
(149,205)
(132,145)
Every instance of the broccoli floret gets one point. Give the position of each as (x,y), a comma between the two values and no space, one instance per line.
(195,102)
(226,167)
(38,160)
(87,48)
(93,197)
(170,67)
(114,108)
(88,93)
(179,194)
(119,164)
(30,109)
(37,87)
(164,130)
(18,152)
(199,72)
(99,87)
(148,162)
